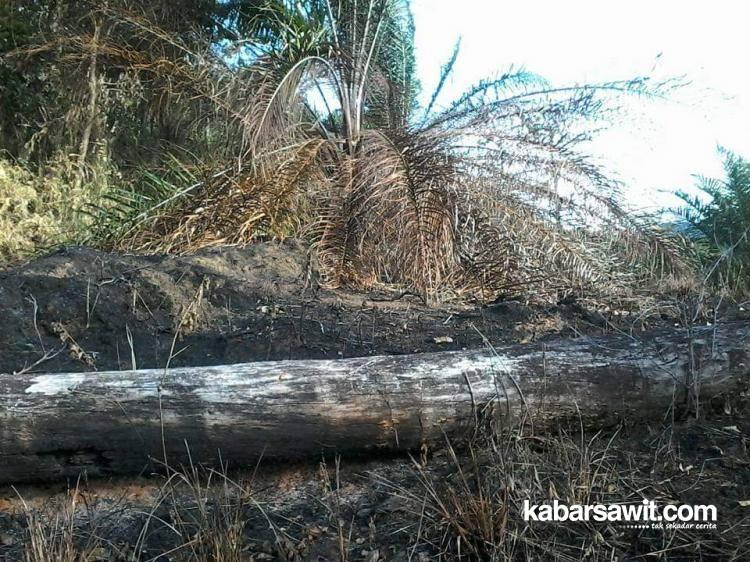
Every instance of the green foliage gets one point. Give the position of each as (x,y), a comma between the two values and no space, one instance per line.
(95,93)
(287,30)
(101,71)
(23,88)
(718,221)
(36,213)
(122,209)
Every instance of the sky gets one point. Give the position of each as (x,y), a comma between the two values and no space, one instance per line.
(659,147)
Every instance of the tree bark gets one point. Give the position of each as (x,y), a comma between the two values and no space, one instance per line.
(56,426)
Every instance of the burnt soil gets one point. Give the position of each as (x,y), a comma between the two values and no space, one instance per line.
(235,305)
(79,309)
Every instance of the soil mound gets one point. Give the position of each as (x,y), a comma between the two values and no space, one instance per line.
(82,309)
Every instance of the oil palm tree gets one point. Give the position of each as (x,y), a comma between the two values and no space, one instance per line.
(718,221)
(488,193)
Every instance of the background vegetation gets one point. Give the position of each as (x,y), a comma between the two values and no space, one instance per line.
(172,126)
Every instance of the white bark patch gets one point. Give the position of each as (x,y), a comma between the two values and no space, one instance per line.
(52,385)
(490,365)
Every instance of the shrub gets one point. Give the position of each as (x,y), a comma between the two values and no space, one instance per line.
(37,211)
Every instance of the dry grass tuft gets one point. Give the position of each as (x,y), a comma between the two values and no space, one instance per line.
(194,516)
(61,533)
(207,514)
(458,504)
(470,507)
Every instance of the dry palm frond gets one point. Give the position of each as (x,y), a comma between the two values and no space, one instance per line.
(394,218)
(236,210)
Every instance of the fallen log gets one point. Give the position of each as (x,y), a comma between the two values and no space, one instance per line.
(55,426)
